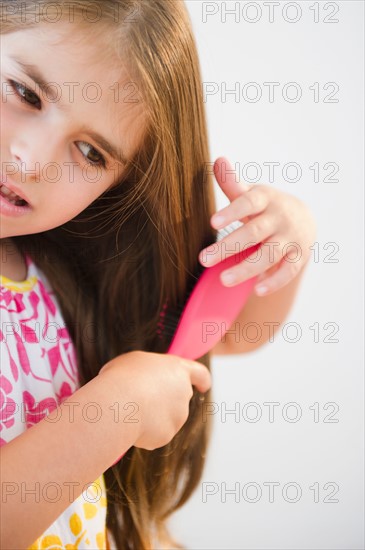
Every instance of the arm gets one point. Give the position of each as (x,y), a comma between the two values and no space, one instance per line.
(273,308)
(69,450)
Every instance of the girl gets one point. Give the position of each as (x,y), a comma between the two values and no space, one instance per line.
(103,182)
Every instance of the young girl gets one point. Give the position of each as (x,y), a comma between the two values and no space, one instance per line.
(103,135)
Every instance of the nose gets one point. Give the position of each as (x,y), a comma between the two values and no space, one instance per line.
(23,165)
(35,151)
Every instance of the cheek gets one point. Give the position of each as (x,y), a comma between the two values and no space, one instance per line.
(8,117)
(69,196)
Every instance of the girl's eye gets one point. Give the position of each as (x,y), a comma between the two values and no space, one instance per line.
(96,158)
(25,94)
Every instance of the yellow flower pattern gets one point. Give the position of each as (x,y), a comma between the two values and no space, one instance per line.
(82,525)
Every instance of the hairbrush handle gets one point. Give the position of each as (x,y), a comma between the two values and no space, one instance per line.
(211,308)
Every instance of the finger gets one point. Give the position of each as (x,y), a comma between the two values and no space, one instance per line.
(257,230)
(199,375)
(285,273)
(268,255)
(228,179)
(246,205)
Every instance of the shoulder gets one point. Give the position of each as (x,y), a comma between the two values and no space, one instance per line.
(22,299)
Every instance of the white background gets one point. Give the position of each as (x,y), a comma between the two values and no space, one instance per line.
(307,371)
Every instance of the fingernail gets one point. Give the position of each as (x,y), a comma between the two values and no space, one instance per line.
(228,277)
(218,220)
(203,256)
(261,289)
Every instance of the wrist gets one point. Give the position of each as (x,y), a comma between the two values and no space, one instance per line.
(111,430)
(125,402)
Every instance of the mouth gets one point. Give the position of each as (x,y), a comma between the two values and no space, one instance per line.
(12,197)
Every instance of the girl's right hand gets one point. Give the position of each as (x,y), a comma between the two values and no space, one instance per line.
(161,386)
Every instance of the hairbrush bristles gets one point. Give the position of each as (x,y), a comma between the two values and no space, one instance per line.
(169,317)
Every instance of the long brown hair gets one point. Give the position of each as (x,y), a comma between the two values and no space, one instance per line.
(114,266)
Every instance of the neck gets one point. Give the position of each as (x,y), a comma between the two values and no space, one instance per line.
(12,263)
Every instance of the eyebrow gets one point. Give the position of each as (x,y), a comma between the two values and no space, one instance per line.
(33,73)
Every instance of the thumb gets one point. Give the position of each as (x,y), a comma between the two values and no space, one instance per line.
(228,179)
(200,376)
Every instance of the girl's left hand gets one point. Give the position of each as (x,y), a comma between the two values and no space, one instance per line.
(281,222)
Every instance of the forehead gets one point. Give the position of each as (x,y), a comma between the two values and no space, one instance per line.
(87,54)
(85,74)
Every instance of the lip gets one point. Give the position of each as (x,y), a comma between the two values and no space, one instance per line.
(9,209)
(14,189)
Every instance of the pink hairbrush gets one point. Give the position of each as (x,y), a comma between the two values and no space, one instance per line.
(210,310)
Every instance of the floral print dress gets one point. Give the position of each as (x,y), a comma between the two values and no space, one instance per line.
(39,371)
